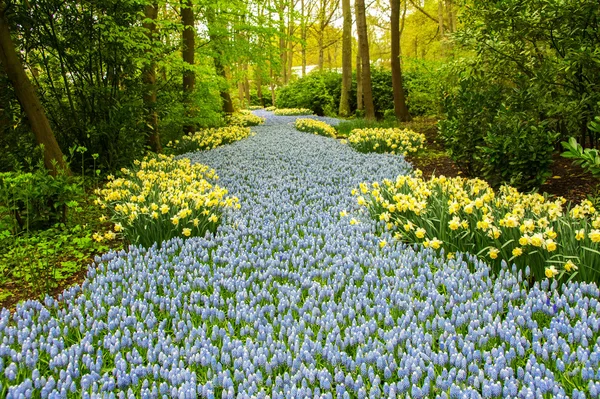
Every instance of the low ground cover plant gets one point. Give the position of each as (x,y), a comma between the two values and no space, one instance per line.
(207,139)
(391,140)
(467,215)
(292,111)
(315,126)
(244,118)
(161,198)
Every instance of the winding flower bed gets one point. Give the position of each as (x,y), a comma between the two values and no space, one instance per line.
(289,300)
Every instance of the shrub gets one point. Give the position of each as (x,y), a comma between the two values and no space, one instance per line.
(316,127)
(292,111)
(468,216)
(589,158)
(37,200)
(318,91)
(504,143)
(394,140)
(244,118)
(207,139)
(161,198)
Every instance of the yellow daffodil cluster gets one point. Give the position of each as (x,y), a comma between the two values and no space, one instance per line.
(254,107)
(467,215)
(161,198)
(244,118)
(316,127)
(393,140)
(271,108)
(207,139)
(292,111)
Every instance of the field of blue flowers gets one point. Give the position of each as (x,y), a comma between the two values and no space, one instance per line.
(290,300)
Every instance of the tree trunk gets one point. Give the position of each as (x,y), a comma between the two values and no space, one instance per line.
(53,156)
(346,59)
(361,22)
(258,82)
(216,42)
(400,108)
(359,85)
(282,42)
(272,86)
(149,80)
(246,84)
(303,36)
(189,77)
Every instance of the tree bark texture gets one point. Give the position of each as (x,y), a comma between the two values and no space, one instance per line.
(400,108)
(149,80)
(346,59)
(361,22)
(25,92)
(189,46)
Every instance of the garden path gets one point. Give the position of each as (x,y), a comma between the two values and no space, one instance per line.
(291,299)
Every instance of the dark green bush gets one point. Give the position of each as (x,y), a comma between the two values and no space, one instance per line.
(318,91)
(37,200)
(493,132)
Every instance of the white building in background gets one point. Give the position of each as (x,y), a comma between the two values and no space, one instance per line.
(297,70)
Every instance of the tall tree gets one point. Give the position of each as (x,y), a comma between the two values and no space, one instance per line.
(400,108)
(25,92)
(149,79)
(359,82)
(188,50)
(217,40)
(361,22)
(346,59)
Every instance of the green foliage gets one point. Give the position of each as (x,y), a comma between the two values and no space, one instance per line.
(37,200)
(35,263)
(544,51)
(422,81)
(495,132)
(588,159)
(318,91)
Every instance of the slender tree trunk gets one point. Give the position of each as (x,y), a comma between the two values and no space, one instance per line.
(361,21)
(53,156)
(217,41)
(272,85)
(282,42)
(189,40)
(246,84)
(359,82)
(303,35)
(451,16)
(149,80)
(400,108)
(225,96)
(258,82)
(346,59)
